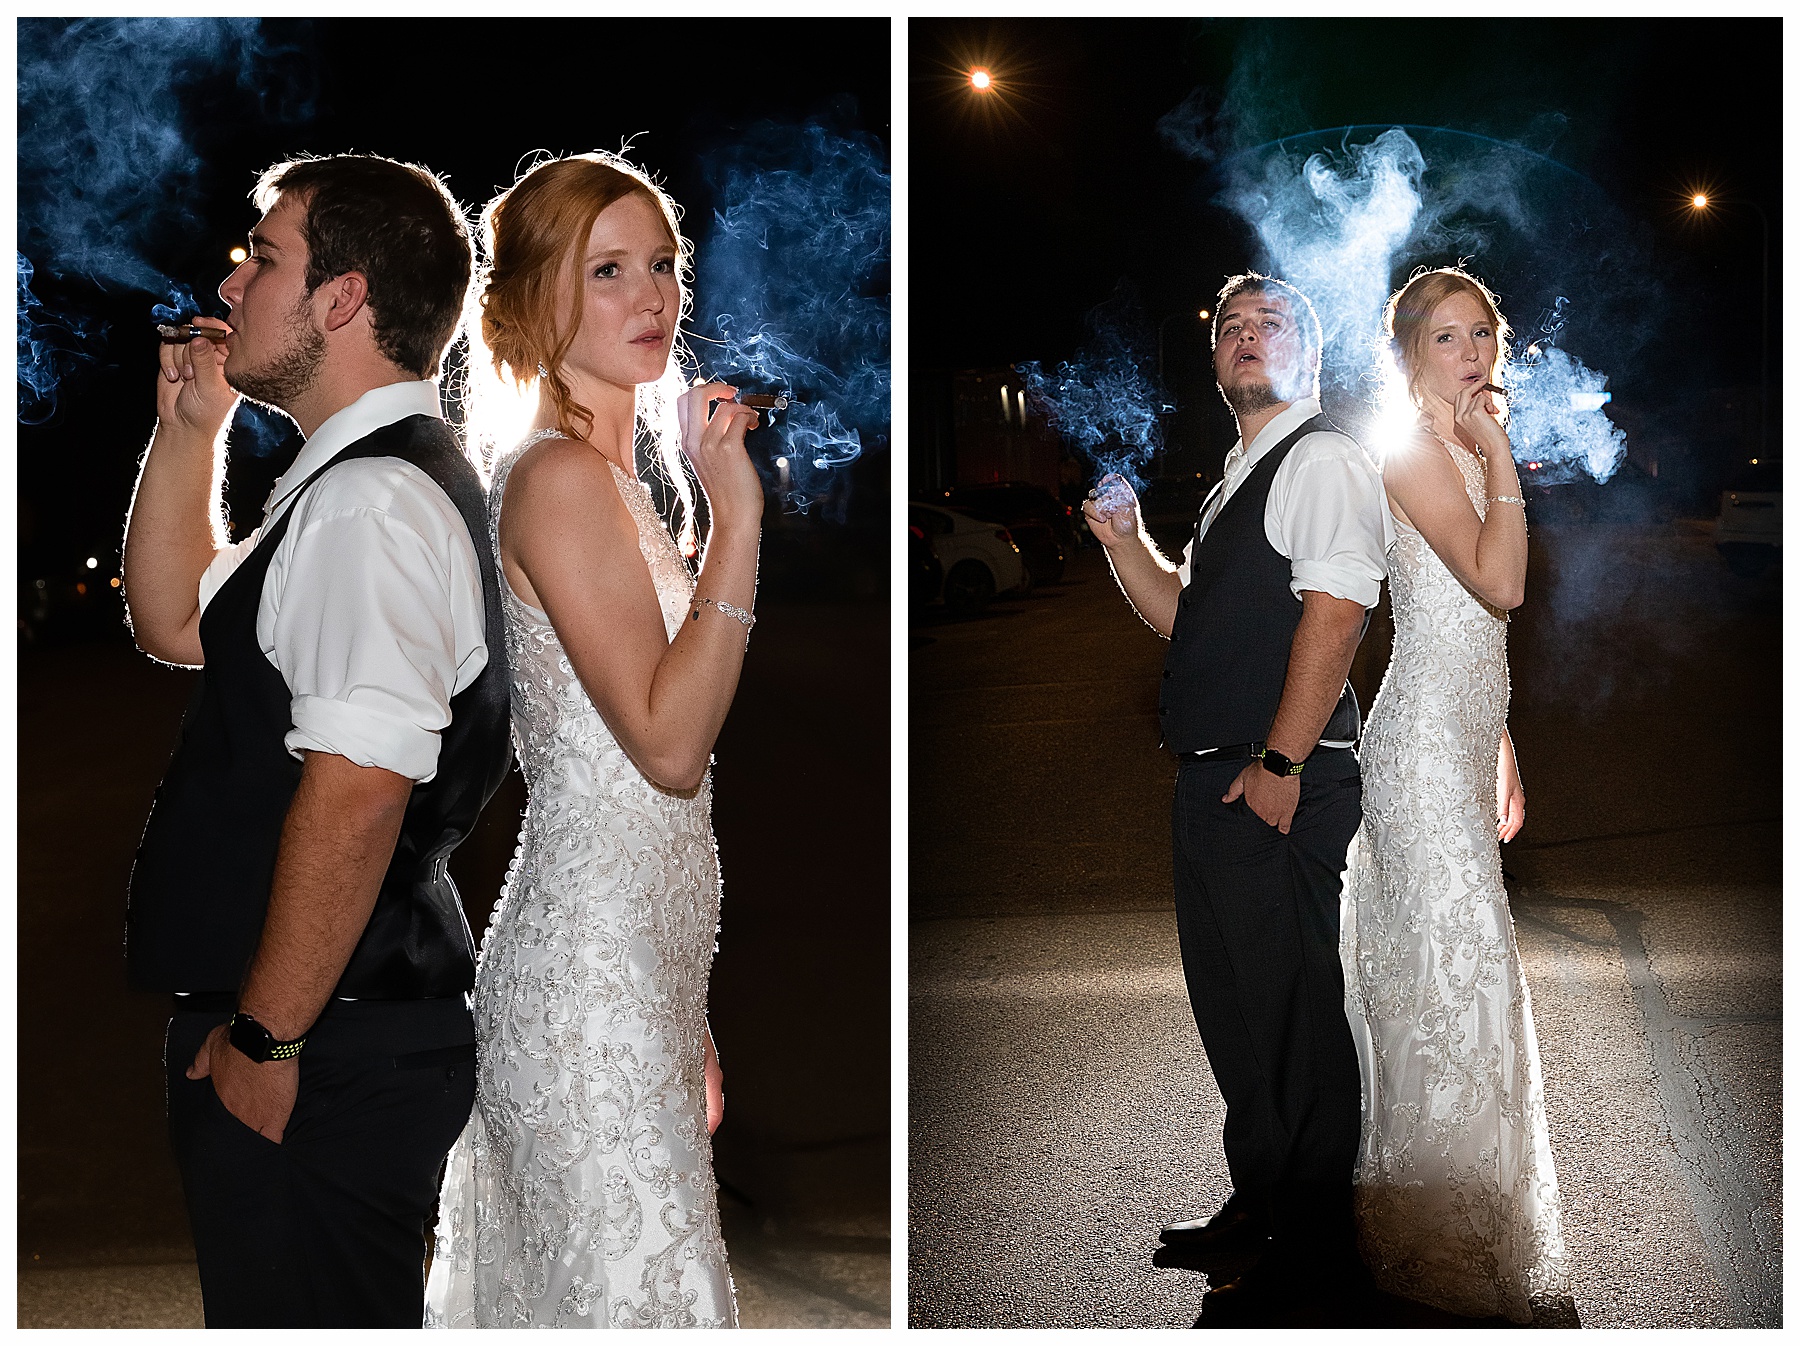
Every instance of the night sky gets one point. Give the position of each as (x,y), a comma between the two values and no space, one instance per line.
(469,98)
(1028,210)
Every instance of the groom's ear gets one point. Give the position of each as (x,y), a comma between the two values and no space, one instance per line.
(338,301)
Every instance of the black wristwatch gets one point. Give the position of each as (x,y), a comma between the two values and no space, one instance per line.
(1278,765)
(258,1043)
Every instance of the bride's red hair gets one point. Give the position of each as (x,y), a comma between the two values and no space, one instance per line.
(530,299)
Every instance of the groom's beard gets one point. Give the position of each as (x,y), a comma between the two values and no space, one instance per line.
(1246,399)
(284,377)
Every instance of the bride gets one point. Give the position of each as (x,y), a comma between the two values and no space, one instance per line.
(581,1192)
(1456,1188)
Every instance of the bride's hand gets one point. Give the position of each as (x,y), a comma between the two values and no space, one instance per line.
(715,1087)
(1475,416)
(1509,793)
(714,444)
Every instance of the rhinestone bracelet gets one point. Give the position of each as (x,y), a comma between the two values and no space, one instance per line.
(729,609)
(1506,500)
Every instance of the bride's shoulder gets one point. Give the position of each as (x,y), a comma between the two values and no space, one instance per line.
(1413,454)
(553,472)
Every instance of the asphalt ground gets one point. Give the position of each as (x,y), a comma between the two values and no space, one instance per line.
(1061,1109)
(799,1000)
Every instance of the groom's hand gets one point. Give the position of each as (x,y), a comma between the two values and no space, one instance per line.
(1270,797)
(261,1096)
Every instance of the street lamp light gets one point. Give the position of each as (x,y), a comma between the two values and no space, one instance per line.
(981,79)
(1701,202)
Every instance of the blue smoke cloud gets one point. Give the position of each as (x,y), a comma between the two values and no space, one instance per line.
(1333,232)
(1102,402)
(1346,219)
(49,348)
(107,169)
(793,273)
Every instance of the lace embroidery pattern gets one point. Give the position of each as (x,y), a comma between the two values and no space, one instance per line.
(581,1193)
(1457,1202)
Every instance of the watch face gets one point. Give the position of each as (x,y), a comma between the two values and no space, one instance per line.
(250,1037)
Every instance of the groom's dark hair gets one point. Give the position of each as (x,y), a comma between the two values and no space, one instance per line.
(399,226)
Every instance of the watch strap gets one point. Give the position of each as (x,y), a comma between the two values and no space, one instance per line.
(258,1043)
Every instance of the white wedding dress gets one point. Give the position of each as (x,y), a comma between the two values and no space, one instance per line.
(581,1193)
(1456,1194)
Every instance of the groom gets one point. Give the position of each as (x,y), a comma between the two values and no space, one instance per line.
(291,888)
(1263,617)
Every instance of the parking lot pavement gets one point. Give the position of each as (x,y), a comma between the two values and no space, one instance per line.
(1061,1107)
(835,1277)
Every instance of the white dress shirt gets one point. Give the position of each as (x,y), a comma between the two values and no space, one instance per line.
(372,608)
(1325,511)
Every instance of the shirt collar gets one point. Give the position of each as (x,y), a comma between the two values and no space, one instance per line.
(1297,414)
(378,407)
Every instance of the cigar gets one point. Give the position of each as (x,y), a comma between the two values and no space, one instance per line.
(1490,388)
(182,333)
(764,401)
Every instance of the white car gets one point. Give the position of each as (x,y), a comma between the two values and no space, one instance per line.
(1749,530)
(978,559)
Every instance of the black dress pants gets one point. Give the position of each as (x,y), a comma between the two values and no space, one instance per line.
(1257,914)
(328,1228)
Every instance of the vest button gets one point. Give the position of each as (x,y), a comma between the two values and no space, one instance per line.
(1162,710)
(1165,673)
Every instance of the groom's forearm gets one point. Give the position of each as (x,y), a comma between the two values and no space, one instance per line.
(1318,663)
(1150,584)
(174,529)
(336,845)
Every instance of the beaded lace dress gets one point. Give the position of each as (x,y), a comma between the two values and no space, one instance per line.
(1456,1192)
(581,1193)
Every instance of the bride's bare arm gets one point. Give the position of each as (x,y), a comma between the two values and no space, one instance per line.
(564,525)
(1428,492)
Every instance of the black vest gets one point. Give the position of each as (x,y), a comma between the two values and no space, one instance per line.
(1234,627)
(200,886)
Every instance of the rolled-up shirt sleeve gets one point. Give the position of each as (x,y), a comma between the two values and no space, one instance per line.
(1331,524)
(367,642)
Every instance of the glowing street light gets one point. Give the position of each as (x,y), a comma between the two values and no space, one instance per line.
(980,79)
(1700,202)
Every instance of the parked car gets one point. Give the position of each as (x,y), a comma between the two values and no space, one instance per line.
(978,559)
(1748,534)
(1041,525)
(925,575)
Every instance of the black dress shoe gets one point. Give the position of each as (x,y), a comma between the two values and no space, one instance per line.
(1238,1228)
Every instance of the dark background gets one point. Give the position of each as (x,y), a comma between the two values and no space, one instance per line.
(1031,205)
(800,990)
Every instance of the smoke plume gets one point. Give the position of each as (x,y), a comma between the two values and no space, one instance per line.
(792,283)
(108,176)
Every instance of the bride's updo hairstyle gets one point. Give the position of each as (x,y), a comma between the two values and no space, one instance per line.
(526,306)
(1408,316)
